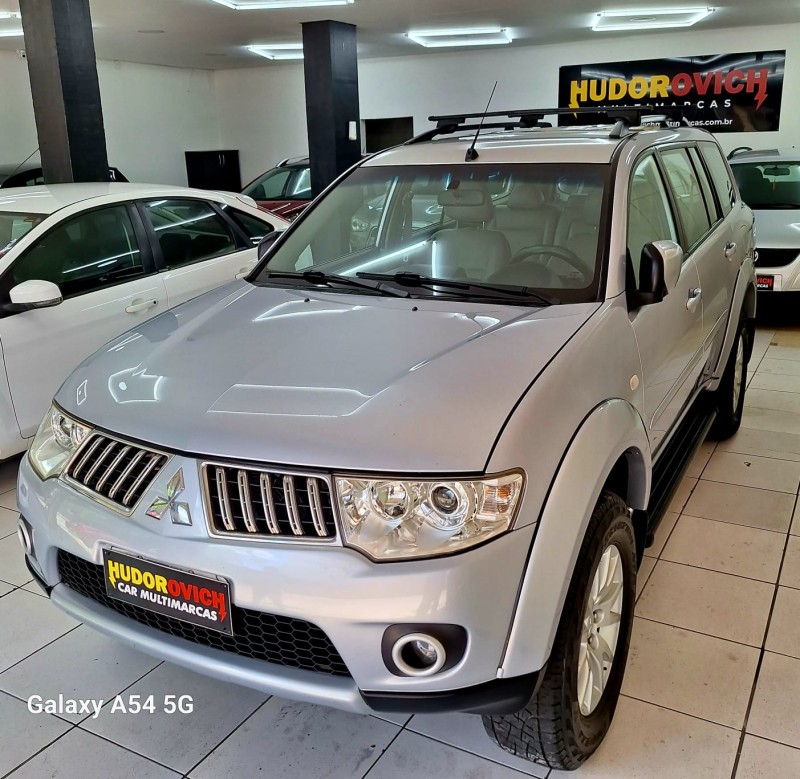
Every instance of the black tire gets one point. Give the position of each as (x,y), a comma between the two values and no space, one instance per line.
(551,730)
(728,403)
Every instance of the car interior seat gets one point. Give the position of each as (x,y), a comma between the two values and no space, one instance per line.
(468,247)
(526,218)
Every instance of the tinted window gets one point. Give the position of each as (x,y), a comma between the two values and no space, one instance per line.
(254,228)
(769,185)
(649,213)
(85,253)
(300,188)
(688,195)
(270,186)
(189,231)
(719,175)
(705,185)
(13,226)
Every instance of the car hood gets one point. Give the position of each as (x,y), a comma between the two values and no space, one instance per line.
(322,380)
(778,228)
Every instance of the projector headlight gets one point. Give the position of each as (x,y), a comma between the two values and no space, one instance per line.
(396,519)
(56,440)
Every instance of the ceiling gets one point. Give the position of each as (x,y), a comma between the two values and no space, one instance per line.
(204,34)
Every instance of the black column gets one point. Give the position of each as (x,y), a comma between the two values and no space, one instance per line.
(331,74)
(66,93)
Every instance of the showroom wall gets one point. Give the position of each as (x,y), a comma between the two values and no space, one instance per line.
(152,115)
(262,109)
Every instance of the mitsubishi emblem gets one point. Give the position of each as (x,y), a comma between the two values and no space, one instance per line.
(178,510)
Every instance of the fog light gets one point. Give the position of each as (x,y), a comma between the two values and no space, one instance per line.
(24,537)
(417,654)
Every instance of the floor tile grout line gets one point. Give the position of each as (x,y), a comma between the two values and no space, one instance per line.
(388,747)
(750,454)
(700,633)
(222,741)
(39,649)
(40,750)
(735,484)
(685,513)
(773,741)
(682,713)
(761,655)
(714,570)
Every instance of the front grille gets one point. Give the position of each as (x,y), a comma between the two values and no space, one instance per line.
(118,471)
(274,639)
(776,258)
(245,501)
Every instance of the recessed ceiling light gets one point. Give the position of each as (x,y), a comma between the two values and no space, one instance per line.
(648,18)
(480,36)
(10,15)
(262,5)
(279,51)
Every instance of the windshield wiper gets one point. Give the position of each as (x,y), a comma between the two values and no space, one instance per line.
(320,279)
(468,288)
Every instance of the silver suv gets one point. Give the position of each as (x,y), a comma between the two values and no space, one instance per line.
(417,471)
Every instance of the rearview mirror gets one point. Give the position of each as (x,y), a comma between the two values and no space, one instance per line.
(659,269)
(266,243)
(35,293)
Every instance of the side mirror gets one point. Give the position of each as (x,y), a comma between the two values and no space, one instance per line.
(35,293)
(266,243)
(659,269)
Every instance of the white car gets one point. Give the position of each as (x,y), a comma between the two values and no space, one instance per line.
(82,263)
(770,184)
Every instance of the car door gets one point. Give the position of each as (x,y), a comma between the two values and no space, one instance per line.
(196,247)
(669,333)
(101,262)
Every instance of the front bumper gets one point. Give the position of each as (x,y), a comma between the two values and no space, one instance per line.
(352,599)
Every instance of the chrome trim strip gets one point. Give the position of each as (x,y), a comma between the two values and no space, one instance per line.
(224,500)
(87,454)
(126,473)
(154,460)
(269,504)
(316,507)
(291,505)
(247,503)
(97,463)
(114,463)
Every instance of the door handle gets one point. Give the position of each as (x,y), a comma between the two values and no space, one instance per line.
(730,250)
(139,305)
(695,295)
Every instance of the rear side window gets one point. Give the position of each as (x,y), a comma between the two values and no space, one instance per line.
(705,185)
(720,176)
(270,186)
(688,195)
(255,229)
(189,231)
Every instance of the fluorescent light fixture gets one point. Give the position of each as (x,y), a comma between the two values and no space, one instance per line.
(14,32)
(10,15)
(649,18)
(263,5)
(279,51)
(11,33)
(479,36)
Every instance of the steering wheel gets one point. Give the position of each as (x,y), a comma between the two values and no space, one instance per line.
(572,259)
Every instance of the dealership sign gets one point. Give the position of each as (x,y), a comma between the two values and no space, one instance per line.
(721,93)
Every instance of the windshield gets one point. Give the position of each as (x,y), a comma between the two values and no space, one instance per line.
(536,226)
(769,185)
(13,225)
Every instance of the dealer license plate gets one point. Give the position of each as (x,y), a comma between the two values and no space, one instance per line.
(766,283)
(196,599)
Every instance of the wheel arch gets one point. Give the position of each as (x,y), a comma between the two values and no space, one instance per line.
(611,448)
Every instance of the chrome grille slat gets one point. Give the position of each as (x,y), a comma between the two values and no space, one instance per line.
(224,500)
(255,503)
(246,501)
(106,466)
(316,507)
(269,504)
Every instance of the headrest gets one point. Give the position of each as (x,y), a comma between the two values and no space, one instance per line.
(750,177)
(570,185)
(526,197)
(469,202)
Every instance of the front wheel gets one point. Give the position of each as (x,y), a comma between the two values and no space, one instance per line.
(728,398)
(567,719)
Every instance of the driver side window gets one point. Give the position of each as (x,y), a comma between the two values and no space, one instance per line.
(649,212)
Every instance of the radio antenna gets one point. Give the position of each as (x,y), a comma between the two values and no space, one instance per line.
(472,153)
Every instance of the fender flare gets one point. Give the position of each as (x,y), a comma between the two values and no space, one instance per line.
(612,430)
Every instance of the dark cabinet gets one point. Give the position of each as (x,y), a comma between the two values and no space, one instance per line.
(214,170)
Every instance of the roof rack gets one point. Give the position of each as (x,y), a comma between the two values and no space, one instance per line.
(623,118)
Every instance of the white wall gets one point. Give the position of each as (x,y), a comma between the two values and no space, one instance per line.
(152,115)
(262,111)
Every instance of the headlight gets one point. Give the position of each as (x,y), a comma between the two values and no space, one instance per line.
(55,442)
(395,519)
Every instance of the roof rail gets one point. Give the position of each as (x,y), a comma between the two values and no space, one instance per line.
(739,150)
(623,118)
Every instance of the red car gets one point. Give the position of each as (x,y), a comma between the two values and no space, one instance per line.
(285,190)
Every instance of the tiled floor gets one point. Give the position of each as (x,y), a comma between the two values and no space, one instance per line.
(711,688)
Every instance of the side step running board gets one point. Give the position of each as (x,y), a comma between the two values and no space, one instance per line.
(672,463)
